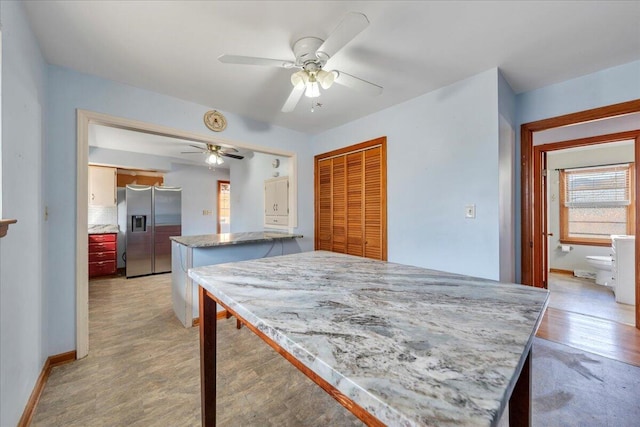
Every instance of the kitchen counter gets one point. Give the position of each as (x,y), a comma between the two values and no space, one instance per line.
(406,345)
(103,228)
(210,240)
(210,249)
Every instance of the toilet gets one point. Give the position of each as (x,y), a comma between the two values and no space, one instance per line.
(602,265)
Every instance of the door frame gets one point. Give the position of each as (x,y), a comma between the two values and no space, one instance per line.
(532,215)
(83,119)
(221,182)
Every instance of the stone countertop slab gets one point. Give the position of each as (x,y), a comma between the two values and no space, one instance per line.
(412,346)
(103,228)
(225,239)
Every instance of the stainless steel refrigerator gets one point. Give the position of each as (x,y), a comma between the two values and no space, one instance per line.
(153,215)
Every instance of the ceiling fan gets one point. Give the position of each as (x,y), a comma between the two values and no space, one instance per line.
(311,55)
(215,153)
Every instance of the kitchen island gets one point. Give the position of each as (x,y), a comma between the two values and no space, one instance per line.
(394,344)
(208,249)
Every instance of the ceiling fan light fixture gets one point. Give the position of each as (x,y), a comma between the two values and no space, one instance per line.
(313,88)
(325,78)
(300,78)
(214,159)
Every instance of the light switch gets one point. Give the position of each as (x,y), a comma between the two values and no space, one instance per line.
(206,212)
(470,211)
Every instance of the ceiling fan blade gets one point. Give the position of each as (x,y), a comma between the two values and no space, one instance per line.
(227,150)
(360,85)
(197,146)
(350,26)
(293,99)
(250,60)
(233,156)
(191,152)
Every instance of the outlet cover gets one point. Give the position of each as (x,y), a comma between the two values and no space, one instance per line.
(470,211)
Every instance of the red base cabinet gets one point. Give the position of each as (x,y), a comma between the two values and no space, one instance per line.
(102,254)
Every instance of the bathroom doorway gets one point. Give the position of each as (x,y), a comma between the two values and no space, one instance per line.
(539,138)
(590,196)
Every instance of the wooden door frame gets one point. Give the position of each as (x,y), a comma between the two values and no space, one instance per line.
(220,183)
(382,142)
(532,219)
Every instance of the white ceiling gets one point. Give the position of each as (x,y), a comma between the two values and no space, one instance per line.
(149,144)
(409,48)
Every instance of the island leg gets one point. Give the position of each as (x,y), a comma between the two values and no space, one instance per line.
(520,402)
(208,315)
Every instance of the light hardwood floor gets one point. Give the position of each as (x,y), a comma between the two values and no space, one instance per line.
(143,367)
(143,370)
(579,295)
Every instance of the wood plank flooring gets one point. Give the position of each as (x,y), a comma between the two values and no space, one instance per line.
(594,335)
(143,367)
(580,295)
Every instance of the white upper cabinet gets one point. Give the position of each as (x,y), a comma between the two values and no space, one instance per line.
(102,186)
(276,201)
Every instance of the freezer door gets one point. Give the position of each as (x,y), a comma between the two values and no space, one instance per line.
(139,235)
(168,219)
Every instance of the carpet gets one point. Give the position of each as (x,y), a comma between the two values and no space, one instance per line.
(575,388)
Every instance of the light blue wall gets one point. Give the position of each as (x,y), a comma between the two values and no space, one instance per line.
(68,91)
(247,190)
(23,326)
(442,154)
(507,179)
(199,193)
(605,87)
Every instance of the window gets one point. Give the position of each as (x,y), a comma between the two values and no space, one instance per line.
(595,203)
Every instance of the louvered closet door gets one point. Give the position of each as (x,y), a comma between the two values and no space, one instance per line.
(324,209)
(373,203)
(339,199)
(355,223)
(351,200)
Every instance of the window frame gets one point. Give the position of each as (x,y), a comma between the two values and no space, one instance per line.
(564,212)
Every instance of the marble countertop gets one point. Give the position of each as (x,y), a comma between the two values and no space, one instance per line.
(210,240)
(103,228)
(412,346)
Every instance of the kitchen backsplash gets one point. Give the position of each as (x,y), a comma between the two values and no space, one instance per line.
(103,215)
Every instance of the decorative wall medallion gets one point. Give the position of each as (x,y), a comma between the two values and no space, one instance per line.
(215,121)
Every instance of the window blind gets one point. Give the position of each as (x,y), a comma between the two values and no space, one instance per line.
(597,187)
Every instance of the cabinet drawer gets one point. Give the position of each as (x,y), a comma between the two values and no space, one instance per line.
(102,256)
(276,220)
(102,247)
(102,268)
(99,238)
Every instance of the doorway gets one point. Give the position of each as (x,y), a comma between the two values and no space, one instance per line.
(590,197)
(224,207)
(84,119)
(534,231)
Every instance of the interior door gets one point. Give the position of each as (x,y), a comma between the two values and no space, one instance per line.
(539,242)
(544,205)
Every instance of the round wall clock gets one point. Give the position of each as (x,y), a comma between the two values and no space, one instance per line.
(215,121)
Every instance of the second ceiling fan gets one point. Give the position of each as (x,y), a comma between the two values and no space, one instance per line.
(311,55)
(215,153)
